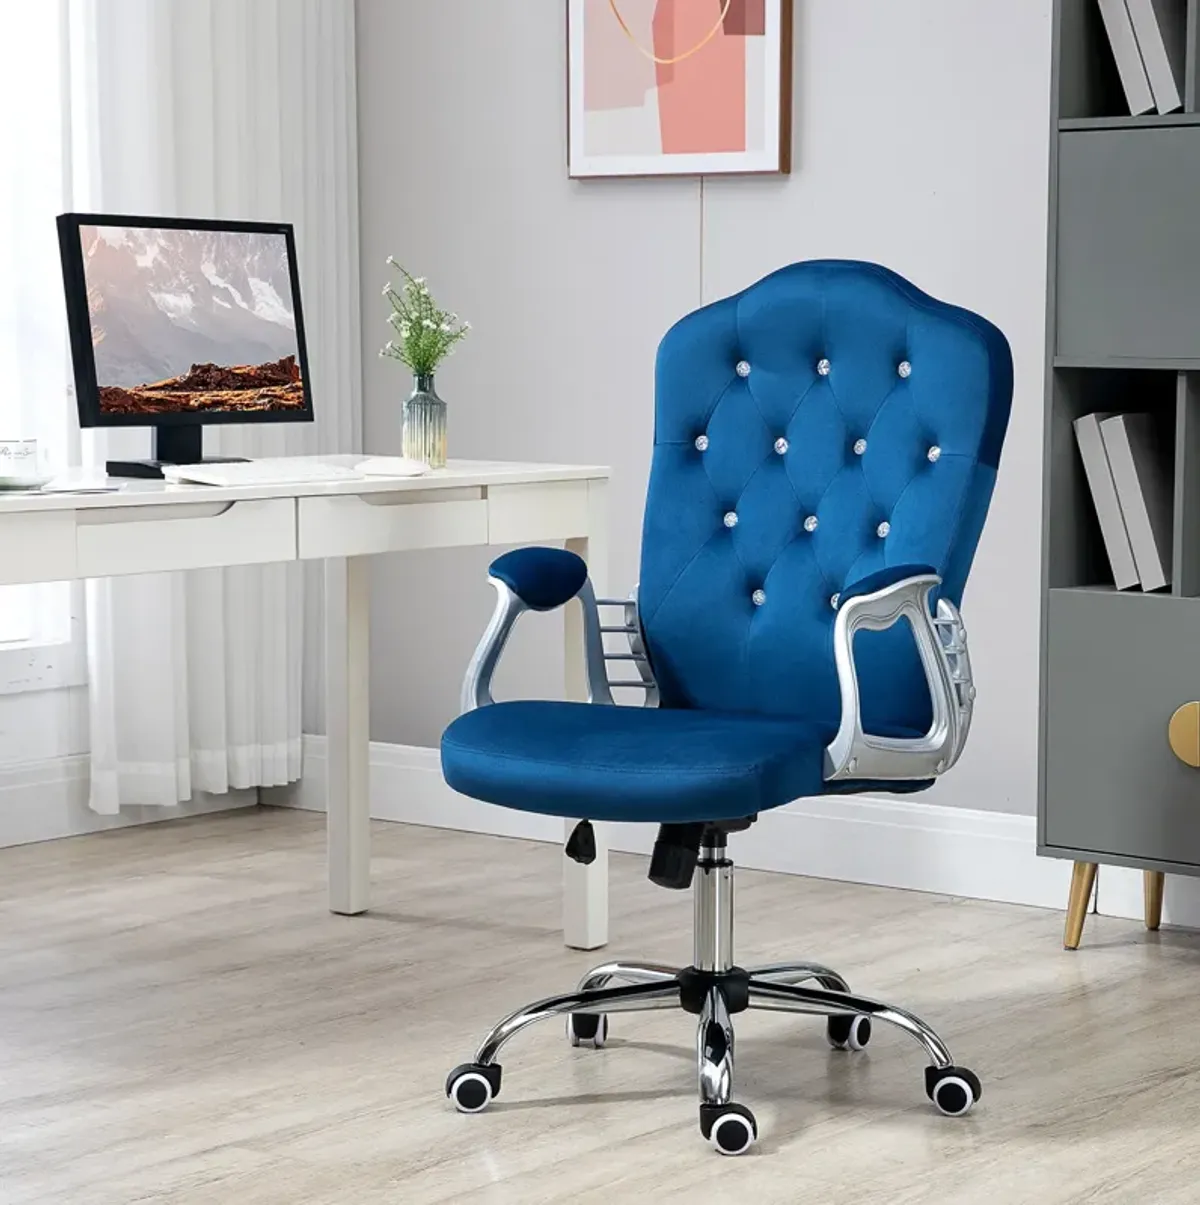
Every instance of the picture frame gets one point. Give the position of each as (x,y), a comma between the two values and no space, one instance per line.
(678,87)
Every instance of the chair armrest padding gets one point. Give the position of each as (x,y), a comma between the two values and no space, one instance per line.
(542,578)
(536,579)
(881,579)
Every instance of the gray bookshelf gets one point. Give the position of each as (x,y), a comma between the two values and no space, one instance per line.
(1123,334)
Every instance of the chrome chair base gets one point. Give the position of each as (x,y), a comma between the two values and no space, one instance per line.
(714,989)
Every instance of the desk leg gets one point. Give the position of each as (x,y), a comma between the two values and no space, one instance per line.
(347,693)
(585,888)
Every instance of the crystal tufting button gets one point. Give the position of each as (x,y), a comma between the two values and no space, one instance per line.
(743,368)
(883,529)
(758,597)
(823,367)
(904,368)
(781,445)
(833,600)
(933,454)
(860,446)
(810,524)
(701,443)
(731,518)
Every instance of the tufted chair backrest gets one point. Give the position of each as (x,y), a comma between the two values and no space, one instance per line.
(829,421)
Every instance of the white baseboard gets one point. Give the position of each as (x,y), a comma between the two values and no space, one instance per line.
(45,800)
(888,842)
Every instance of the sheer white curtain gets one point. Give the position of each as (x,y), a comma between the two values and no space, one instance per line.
(230,109)
(34,360)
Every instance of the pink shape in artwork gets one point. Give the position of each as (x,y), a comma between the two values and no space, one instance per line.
(701,99)
(615,74)
(747,17)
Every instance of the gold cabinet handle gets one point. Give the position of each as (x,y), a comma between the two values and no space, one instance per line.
(1183,734)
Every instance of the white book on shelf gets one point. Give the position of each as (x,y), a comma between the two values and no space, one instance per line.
(1121,38)
(1104,497)
(1143,476)
(1160,27)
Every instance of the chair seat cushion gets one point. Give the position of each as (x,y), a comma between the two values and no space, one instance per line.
(632,763)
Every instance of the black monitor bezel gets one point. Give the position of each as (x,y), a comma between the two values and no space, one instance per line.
(87,389)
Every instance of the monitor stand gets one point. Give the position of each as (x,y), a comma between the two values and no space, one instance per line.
(179,443)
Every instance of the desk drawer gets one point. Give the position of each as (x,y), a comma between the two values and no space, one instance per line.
(37,547)
(200,535)
(361,525)
(1118,667)
(551,510)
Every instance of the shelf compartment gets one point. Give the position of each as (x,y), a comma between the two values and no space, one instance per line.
(1075,550)
(1087,83)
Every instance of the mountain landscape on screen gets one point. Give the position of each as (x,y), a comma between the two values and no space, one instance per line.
(191,320)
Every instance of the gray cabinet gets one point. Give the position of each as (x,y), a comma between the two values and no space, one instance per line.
(1123,334)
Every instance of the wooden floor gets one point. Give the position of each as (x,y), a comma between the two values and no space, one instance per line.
(181,1020)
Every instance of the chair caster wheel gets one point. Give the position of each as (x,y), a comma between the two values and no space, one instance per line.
(953,1089)
(472,1086)
(848,1033)
(587,1029)
(730,1128)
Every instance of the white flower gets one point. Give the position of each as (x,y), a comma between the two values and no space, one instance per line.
(391,259)
(446,327)
(387,288)
(419,280)
(383,353)
(429,324)
(405,330)
(466,326)
(390,346)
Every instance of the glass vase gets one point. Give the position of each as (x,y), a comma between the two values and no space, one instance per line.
(425,424)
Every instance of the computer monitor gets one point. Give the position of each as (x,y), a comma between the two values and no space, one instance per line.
(176,323)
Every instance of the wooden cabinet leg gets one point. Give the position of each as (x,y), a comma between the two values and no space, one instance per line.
(1083,879)
(1152,888)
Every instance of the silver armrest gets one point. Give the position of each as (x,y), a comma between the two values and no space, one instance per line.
(942,645)
(477,684)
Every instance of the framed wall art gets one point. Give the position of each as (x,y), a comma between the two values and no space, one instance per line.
(678,87)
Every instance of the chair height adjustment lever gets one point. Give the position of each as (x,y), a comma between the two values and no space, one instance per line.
(581,845)
(676,852)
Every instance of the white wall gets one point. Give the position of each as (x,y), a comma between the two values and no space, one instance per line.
(43,743)
(920,141)
(40,725)
(44,773)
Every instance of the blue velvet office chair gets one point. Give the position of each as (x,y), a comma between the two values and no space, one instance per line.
(825,448)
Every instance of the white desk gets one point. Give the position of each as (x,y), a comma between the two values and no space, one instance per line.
(150,527)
